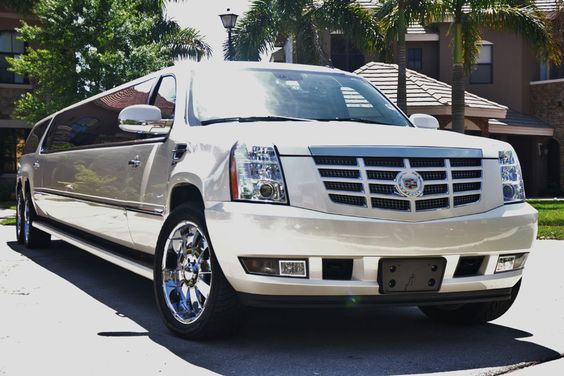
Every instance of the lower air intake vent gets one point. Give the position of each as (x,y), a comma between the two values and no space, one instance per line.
(337,269)
(468,266)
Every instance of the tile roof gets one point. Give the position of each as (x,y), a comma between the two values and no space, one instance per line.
(425,94)
(518,119)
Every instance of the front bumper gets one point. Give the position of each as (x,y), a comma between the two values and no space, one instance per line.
(246,229)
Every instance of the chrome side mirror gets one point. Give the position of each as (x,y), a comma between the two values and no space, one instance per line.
(424,121)
(144,119)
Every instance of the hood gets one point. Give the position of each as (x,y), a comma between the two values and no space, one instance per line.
(296,138)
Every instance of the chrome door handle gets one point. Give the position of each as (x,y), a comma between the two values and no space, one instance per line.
(134,162)
(36,165)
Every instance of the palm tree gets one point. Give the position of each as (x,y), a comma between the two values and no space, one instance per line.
(395,16)
(467,17)
(182,42)
(268,21)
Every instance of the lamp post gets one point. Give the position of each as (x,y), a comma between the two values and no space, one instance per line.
(229,20)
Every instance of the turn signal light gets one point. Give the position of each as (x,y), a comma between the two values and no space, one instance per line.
(275,267)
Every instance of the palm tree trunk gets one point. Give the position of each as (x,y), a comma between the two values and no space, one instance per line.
(458,80)
(401,59)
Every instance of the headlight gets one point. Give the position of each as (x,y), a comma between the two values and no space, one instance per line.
(513,188)
(256,174)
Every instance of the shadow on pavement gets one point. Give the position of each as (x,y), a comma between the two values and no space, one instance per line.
(387,340)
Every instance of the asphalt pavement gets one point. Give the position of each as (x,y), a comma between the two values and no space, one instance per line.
(66,312)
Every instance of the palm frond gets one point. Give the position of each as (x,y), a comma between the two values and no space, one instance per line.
(256,32)
(470,42)
(356,22)
(187,43)
(528,21)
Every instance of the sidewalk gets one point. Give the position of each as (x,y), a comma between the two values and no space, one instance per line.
(7,213)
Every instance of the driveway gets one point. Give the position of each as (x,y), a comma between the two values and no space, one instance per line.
(66,312)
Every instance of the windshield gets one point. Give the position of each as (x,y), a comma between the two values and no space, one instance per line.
(245,95)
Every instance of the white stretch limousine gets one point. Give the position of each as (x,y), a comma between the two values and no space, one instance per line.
(278,185)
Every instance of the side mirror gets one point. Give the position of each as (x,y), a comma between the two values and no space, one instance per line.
(424,121)
(143,119)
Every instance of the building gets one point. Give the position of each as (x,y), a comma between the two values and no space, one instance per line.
(507,72)
(12,132)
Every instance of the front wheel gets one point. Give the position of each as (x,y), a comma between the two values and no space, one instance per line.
(471,313)
(193,296)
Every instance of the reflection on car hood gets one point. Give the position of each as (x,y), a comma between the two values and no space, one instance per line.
(295,138)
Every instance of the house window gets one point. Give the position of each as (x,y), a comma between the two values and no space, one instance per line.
(415,58)
(10,46)
(482,71)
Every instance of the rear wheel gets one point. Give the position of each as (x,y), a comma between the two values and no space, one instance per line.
(20,204)
(472,313)
(33,237)
(193,296)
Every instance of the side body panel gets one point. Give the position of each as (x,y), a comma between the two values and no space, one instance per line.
(87,189)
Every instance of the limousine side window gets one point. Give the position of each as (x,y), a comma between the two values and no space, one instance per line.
(34,137)
(96,122)
(165,98)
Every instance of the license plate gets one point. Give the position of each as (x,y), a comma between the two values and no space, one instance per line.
(411,275)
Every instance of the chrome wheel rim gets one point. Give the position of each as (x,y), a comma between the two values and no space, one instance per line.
(186,272)
(27,219)
(19,216)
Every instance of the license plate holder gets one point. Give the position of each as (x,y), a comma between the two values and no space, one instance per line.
(400,275)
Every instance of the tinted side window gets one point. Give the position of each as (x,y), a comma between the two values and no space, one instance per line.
(34,137)
(96,122)
(165,98)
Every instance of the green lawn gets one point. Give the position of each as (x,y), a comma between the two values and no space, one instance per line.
(551,219)
(8,205)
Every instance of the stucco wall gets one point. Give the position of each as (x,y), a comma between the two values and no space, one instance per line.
(430,52)
(514,66)
(547,103)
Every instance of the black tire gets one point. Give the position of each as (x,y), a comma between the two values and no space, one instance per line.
(472,313)
(20,203)
(33,237)
(220,308)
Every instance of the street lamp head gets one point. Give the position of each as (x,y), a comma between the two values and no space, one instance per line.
(228,19)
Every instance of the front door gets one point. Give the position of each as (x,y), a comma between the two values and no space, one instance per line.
(148,174)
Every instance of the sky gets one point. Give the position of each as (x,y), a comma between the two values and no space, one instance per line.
(203,15)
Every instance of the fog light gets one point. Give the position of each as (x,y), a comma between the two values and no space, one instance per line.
(511,262)
(275,267)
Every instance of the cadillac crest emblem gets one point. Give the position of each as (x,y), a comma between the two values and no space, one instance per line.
(409,184)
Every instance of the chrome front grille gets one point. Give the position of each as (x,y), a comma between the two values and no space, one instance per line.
(374,182)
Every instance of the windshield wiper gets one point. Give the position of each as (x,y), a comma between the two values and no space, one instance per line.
(250,119)
(355,119)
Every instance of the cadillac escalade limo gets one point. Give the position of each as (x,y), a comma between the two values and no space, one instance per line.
(278,185)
